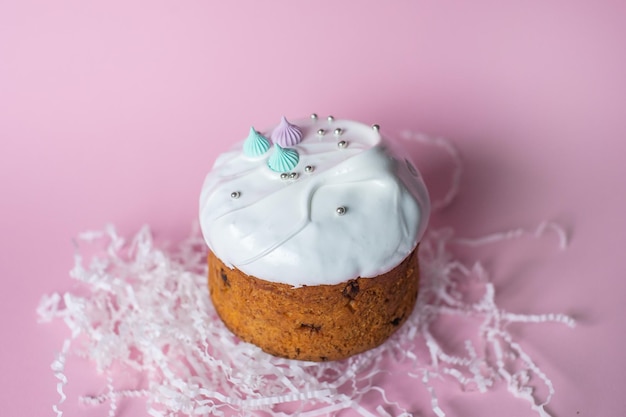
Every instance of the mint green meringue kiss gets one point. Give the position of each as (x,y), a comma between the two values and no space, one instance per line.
(255,144)
(283,159)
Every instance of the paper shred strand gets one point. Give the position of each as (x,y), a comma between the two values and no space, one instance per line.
(517,233)
(457,173)
(58,366)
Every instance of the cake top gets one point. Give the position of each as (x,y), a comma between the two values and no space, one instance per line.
(330,200)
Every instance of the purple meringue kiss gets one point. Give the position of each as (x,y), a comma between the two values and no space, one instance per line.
(286,134)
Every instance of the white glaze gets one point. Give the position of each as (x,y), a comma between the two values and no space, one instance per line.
(288,231)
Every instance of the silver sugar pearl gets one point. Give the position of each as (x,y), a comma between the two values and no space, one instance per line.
(338,132)
(330,118)
(341,210)
(284,176)
(321,132)
(376,127)
(342,144)
(308,168)
(293,175)
(235,194)
(313,116)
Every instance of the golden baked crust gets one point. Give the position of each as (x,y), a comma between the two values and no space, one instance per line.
(314,323)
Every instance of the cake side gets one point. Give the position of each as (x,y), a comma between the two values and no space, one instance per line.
(314,323)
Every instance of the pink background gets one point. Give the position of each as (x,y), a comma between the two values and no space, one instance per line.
(114,111)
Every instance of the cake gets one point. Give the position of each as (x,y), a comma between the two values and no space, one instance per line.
(313,228)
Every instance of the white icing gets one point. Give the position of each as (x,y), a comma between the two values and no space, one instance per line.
(288,230)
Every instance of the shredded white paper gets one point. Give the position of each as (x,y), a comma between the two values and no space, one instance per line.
(145,310)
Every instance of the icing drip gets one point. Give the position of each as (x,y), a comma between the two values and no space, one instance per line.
(256,144)
(283,159)
(287,229)
(286,134)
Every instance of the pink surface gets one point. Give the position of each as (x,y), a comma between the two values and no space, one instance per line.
(114,112)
